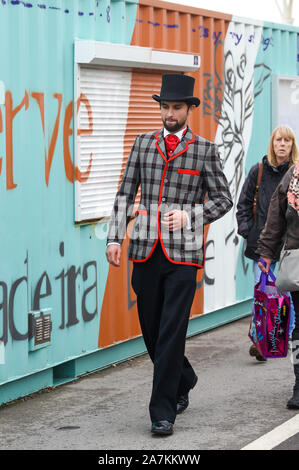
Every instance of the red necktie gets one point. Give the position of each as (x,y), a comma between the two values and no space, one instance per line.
(171,141)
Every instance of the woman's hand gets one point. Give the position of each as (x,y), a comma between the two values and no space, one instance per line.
(268,261)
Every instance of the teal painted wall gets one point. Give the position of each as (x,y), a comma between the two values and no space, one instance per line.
(39,240)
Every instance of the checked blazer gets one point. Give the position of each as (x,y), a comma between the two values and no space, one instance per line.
(191,179)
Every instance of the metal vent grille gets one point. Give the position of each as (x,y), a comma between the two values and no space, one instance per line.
(40,328)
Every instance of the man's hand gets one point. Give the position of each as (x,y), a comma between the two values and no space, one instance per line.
(174,220)
(113,253)
(268,261)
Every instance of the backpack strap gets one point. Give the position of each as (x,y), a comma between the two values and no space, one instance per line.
(258,181)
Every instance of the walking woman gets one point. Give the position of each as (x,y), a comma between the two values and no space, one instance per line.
(255,197)
(283,222)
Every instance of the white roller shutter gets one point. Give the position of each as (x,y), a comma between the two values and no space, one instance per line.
(108,93)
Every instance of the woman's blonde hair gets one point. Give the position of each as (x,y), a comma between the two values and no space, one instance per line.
(285,131)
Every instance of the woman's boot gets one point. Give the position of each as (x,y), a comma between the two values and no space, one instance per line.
(253,351)
(293,403)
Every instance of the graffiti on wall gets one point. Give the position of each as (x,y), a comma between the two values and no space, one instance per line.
(14,110)
(233,137)
(99,9)
(243,82)
(216,36)
(68,285)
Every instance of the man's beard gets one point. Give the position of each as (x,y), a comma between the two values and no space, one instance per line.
(173,126)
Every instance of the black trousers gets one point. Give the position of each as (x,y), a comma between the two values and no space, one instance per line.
(165,292)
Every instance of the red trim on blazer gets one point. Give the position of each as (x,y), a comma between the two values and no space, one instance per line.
(183,262)
(184,171)
(159,203)
(148,256)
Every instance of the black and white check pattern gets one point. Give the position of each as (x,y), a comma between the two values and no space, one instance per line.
(192,179)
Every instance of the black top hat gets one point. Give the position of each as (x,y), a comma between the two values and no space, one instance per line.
(177,87)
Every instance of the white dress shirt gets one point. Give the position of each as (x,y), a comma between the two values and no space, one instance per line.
(179,134)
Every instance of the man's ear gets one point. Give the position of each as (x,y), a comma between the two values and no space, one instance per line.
(191,108)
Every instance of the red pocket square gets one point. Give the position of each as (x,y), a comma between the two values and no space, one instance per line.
(141,212)
(188,172)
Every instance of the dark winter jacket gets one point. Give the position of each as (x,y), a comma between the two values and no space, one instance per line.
(247,227)
(282,222)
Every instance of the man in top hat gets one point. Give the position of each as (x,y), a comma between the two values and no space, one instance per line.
(176,170)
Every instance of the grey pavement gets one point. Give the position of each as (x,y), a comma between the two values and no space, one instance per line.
(237,399)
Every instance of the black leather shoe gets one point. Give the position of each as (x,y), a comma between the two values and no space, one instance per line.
(183,400)
(182,403)
(293,403)
(164,428)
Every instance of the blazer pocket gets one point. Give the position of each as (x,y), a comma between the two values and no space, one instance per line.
(185,171)
(141,212)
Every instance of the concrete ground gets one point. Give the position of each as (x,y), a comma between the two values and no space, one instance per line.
(237,400)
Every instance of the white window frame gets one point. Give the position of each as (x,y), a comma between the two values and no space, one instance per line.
(285,105)
(95,53)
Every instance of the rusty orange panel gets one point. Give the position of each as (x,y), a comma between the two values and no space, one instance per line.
(184,9)
(176,28)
